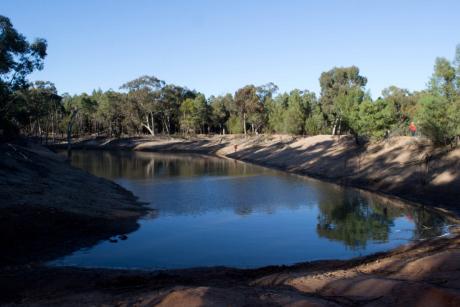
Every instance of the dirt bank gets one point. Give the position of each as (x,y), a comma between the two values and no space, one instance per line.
(49,208)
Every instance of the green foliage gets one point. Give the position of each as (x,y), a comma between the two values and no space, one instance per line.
(347,105)
(148,105)
(315,123)
(187,120)
(352,222)
(18,59)
(433,119)
(220,111)
(287,112)
(248,105)
(453,117)
(276,108)
(457,70)
(442,81)
(403,101)
(294,116)
(235,125)
(376,119)
(336,84)
(142,96)
(193,114)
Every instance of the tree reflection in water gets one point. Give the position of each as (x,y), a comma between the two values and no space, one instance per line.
(347,216)
(209,211)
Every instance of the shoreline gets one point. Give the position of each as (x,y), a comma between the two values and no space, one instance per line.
(415,273)
(222,146)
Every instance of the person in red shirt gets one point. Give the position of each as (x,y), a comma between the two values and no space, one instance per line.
(412,128)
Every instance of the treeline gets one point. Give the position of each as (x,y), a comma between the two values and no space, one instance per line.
(148,105)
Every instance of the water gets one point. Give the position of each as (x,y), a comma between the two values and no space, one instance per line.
(219,212)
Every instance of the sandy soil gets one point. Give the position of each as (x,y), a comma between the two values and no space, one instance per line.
(419,274)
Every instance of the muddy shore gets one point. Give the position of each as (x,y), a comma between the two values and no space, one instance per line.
(418,274)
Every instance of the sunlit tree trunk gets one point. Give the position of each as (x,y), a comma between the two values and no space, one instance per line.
(153,124)
(339,127)
(147,125)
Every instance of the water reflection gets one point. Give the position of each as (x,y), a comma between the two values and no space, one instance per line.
(212,211)
(349,218)
(355,218)
(145,165)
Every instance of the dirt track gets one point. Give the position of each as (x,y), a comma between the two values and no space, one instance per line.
(419,274)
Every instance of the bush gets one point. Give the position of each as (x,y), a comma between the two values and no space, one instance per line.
(234,125)
(314,124)
(435,121)
(376,118)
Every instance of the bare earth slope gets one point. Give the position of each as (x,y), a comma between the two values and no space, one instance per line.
(49,208)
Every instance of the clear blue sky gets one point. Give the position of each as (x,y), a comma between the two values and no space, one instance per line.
(219,46)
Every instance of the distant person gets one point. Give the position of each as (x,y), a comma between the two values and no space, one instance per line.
(412,128)
(235,147)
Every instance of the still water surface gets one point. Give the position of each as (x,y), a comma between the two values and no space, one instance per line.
(212,211)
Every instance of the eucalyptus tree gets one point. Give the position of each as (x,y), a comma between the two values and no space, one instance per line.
(276,109)
(258,109)
(18,59)
(187,113)
(44,106)
(143,97)
(220,111)
(249,106)
(34,107)
(439,109)
(113,113)
(403,101)
(443,79)
(457,69)
(341,87)
(266,92)
(194,114)
(170,98)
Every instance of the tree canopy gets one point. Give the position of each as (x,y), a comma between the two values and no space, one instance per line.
(149,105)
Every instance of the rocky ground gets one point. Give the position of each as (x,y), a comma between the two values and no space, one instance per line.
(419,274)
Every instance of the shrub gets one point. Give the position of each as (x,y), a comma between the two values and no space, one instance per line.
(234,125)
(434,118)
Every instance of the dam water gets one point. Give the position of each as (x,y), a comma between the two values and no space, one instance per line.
(209,211)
